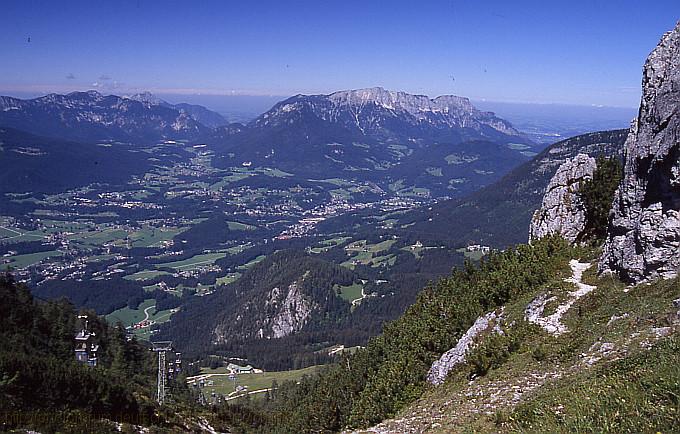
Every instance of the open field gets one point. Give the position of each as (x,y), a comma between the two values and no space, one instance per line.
(145,275)
(326,245)
(384,245)
(229,278)
(415,250)
(351,292)
(383,260)
(23,261)
(153,237)
(251,263)
(129,316)
(9,233)
(223,385)
(99,238)
(273,172)
(238,249)
(334,241)
(238,226)
(194,261)
(475,256)
(15,235)
(234,177)
(367,254)
(98,258)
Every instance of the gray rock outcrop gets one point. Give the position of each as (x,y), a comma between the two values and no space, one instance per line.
(457,355)
(562,211)
(643,241)
(293,313)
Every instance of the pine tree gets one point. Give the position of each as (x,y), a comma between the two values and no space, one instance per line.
(597,194)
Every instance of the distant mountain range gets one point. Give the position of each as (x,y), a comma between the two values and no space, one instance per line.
(407,141)
(198,113)
(405,144)
(390,116)
(90,116)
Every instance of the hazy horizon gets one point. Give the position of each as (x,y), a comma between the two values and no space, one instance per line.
(573,53)
(205,99)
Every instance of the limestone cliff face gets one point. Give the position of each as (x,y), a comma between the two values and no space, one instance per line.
(562,211)
(644,231)
(293,312)
(283,311)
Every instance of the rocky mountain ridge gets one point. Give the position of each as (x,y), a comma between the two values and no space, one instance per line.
(287,311)
(90,115)
(387,114)
(198,113)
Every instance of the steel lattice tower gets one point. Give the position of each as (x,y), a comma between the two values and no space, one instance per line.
(161,348)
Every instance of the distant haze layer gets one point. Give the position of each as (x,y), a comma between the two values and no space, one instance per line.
(548,123)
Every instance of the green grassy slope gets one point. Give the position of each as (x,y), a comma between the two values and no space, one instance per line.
(615,370)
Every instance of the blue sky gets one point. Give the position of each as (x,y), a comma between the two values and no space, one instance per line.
(574,52)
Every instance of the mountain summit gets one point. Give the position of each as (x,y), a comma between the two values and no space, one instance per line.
(198,113)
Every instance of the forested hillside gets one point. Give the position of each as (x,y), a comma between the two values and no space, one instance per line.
(42,387)
(290,296)
(499,214)
(374,383)
(31,163)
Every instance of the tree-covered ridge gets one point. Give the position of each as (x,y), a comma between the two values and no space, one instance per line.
(499,214)
(230,319)
(389,373)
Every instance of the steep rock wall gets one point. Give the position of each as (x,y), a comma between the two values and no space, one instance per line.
(644,231)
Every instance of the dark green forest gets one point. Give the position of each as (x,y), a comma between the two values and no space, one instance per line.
(43,387)
(333,320)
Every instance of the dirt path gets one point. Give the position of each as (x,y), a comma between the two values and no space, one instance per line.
(552,323)
(146,313)
(252,392)
(356,302)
